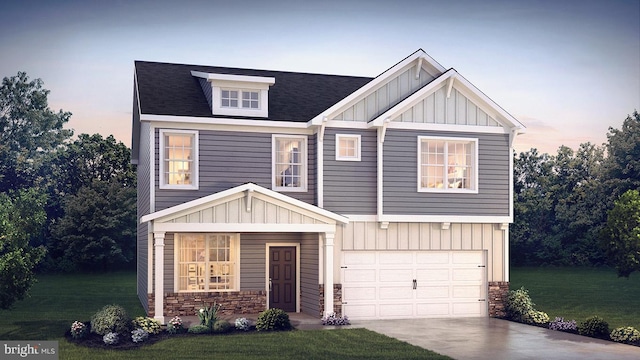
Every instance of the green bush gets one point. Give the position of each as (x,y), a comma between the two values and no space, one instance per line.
(626,334)
(151,326)
(273,320)
(221,326)
(537,318)
(111,318)
(199,329)
(594,327)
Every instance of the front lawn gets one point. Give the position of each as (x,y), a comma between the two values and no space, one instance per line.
(577,293)
(58,300)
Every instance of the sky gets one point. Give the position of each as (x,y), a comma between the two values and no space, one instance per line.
(567,69)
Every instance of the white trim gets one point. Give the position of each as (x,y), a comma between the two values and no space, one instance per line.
(448,127)
(475,181)
(445,218)
(158,242)
(329,238)
(242,227)
(238,190)
(320,167)
(266,273)
(196,159)
(357,145)
(357,217)
(379,180)
(342,124)
(152,168)
(225,121)
(304,163)
(506,264)
(218,109)
(231,77)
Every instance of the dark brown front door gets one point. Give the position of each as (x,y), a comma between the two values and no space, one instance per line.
(282,277)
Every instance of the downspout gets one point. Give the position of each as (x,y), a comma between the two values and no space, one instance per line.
(382,131)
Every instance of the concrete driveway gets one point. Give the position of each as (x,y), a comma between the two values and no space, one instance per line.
(488,338)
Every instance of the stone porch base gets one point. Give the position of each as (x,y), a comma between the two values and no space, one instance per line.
(498,292)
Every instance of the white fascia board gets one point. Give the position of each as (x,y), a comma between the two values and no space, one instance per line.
(445,218)
(347,124)
(174,210)
(224,121)
(237,78)
(448,127)
(244,228)
(375,83)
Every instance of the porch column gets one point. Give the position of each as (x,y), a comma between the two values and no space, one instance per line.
(158,238)
(328,272)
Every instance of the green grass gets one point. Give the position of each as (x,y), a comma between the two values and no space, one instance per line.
(58,300)
(577,293)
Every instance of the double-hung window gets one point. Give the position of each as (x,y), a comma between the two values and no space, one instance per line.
(240,99)
(347,147)
(289,163)
(178,159)
(447,164)
(207,262)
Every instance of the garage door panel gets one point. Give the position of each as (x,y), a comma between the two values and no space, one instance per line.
(395,292)
(359,275)
(461,292)
(436,257)
(361,311)
(474,274)
(437,274)
(394,275)
(367,293)
(396,310)
(432,292)
(395,258)
(466,257)
(471,308)
(359,258)
(433,309)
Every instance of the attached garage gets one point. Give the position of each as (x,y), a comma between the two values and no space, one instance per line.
(414,284)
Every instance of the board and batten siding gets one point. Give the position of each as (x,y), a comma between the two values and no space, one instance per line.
(228,159)
(387,95)
(358,236)
(143,208)
(400,178)
(350,187)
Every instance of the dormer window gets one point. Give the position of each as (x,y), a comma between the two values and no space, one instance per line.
(237,95)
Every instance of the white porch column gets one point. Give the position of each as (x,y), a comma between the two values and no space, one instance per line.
(328,272)
(158,238)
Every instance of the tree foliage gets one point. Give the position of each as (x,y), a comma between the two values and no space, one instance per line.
(21,218)
(621,236)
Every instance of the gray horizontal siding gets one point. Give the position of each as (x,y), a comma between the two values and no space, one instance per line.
(309,278)
(401,172)
(350,187)
(143,207)
(229,159)
(169,246)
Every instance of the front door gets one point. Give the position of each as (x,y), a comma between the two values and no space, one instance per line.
(282,278)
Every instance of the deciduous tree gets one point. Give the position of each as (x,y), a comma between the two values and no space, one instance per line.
(621,236)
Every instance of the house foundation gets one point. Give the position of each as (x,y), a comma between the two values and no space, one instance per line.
(234,302)
(498,292)
(337,299)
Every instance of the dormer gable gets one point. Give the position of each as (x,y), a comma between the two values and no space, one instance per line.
(236,95)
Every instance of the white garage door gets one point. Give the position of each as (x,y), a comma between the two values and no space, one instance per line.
(413,284)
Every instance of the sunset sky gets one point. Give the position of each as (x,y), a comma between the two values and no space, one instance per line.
(568,70)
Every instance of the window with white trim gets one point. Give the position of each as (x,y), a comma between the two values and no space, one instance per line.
(208,262)
(289,163)
(230,99)
(447,165)
(178,159)
(347,147)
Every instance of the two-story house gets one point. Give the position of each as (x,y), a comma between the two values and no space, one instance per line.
(385,197)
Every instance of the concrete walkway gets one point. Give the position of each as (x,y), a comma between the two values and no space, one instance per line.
(495,339)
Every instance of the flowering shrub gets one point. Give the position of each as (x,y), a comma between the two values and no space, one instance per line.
(139,335)
(243,324)
(174,326)
(79,330)
(208,315)
(537,317)
(111,318)
(594,327)
(110,338)
(519,307)
(151,326)
(560,324)
(627,335)
(332,319)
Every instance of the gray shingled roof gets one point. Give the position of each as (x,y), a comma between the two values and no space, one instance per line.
(170,89)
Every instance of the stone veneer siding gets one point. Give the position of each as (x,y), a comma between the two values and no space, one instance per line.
(337,299)
(498,292)
(235,302)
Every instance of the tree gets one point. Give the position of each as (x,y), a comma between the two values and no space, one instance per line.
(21,218)
(98,229)
(621,236)
(28,130)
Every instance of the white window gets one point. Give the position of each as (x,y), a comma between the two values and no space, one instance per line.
(347,147)
(178,159)
(229,98)
(250,99)
(447,165)
(289,157)
(208,262)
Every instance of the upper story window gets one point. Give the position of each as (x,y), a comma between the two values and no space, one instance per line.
(447,165)
(347,147)
(230,99)
(289,157)
(208,262)
(178,159)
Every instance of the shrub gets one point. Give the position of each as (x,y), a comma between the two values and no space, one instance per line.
(537,318)
(519,305)
(560,324)
(332,319)
(139,335)
(626,334)
(79,330)
(208,314)
(151,326)
(594,327)
(111,318)
(221,326)
(110,338)
(272,320)
(243,324)
(199,329)
(174,326)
